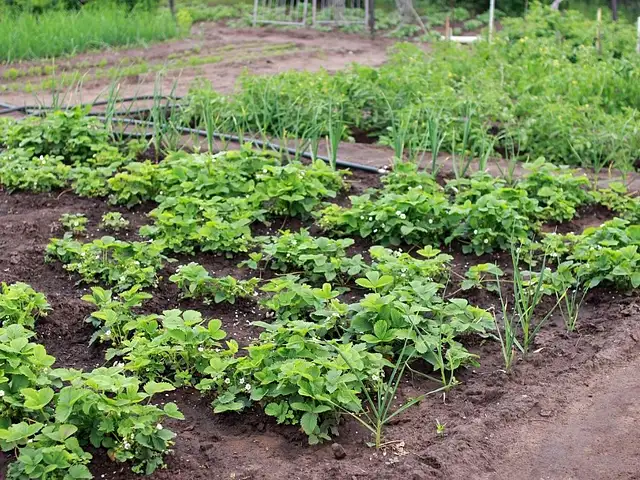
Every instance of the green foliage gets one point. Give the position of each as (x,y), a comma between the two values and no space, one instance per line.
(69,134)
(114,320)
(410,209)
(415,317)
(194,281)
(296,189)
(186,223)
(114,262)
(617,198)
(75,223)
(179,346)
(113,221)
(494,221)
(404,268)
(27,35)
(318,258)
(540,88)
(114,412)
(481,276)
(20,304)
(48,428)
(293,300)
(299,379)
(21,170)
(608,254)
(559,191)
(23,364)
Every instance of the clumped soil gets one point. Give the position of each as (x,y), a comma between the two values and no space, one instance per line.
(487,417)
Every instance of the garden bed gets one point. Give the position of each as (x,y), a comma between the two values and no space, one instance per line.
(478,415)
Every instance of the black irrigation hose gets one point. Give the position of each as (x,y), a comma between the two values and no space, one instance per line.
(223,136)
(258,143)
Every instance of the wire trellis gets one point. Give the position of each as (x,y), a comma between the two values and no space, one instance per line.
(340,12)
(280,12)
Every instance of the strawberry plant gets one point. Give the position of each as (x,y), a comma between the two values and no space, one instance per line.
(69,134)
(112,411)
(493,221)
(178,346)
(482,276)
(23,364)
(194,281)
(318,258)
(297,377)
(114,320)
(559,191)
(432,265)
(293,300)
(296,189)
(113,221)
(20,169)
(184,224)
(20,304)
(138,182)
(415,217)
(114,262)
(53,453)
(417,315)
(75,223)
(617,199)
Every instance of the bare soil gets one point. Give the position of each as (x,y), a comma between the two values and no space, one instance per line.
(567,412)
(230,52)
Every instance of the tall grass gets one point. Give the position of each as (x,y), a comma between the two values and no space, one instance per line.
(26,36)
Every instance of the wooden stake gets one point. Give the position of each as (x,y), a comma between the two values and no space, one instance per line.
(447,27)
(492,11)
(638,46)
(372,17)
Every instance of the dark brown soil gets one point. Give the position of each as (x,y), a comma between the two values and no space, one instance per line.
(543,420)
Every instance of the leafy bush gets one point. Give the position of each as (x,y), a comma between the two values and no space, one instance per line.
(21,170)
(180,346)
(113,221)
(114,262)
(319,258)
(299,379)
(69,134)
(194,281)
(494,221)
(218,224)
(20,304)
(74,222)
(559,191)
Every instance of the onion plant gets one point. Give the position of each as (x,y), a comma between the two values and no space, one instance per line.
(379,409)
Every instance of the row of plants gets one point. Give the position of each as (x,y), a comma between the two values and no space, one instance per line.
(50,417)
(542,87)
(321,354)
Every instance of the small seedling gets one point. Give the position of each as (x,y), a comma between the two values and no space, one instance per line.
(113,221)
(440,428)
(74,222)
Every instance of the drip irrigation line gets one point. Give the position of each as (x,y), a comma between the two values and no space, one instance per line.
(258,143)
(223,136)
(27,108)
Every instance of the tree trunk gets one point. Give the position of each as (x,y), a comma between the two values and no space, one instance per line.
(172,7)
(614,10)
(556,4)
(405,9)
(338,8)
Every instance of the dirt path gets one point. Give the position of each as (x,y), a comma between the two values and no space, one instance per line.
(595,439)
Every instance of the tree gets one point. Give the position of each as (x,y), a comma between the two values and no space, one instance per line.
(406,10)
